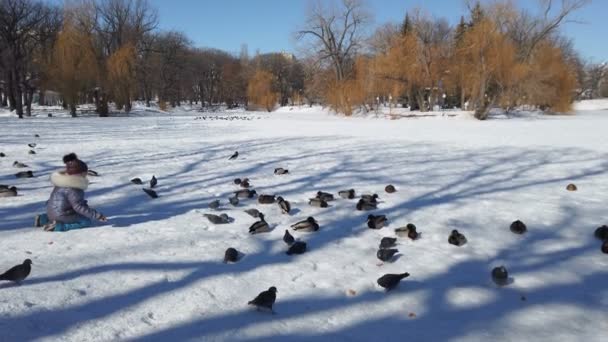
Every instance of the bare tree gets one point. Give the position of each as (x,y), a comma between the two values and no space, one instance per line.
(336,34)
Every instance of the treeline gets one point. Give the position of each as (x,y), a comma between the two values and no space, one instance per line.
(111,52)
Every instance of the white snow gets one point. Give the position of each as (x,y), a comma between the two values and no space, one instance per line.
(154,272)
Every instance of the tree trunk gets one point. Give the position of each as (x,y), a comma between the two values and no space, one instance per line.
(73,109)
(29,97)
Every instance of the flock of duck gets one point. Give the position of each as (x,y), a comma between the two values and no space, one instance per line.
(366,202)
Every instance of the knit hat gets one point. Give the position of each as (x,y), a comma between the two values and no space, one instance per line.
(73,165)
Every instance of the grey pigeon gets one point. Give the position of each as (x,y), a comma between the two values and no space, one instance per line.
(317,202)
(19,165)
(308,225)
(31,152)
(8,191)
(518,227)
(260,226)
(24,174)
(602,233)
(325,196)
(137,181)
(388,242)
(266,299)
(150,193)
(266,199)
(364,205)
(386,254)
(214,204)
(234,156)
(2,155)
(245,193)
(390,281)
(234,201)
(18,273)
(370,198)
(231,255)
(500,276)
(298,247)
(288,238)
(218,219)
(376,221)
(32,145)
(253,212)
(153,182)
(390,189)
(284,205)
(347,194)
(280,171)
(456,238)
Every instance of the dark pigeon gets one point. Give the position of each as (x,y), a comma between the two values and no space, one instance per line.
(234,156)
(390,281)
(308,225)
(237,181)
(260,226)
(231,255)
(265,300)
(24,174)
(347,194)
(388,242)
(2,155)
(153,182)
(245,184)
(605,247)
(214,204)
(280,171)
(457,239)
(137,181)
(500,276)
(288,238)
(253,212)
(19,165)
(36,136)
(571,187)
(32,145)
(298,247)
(284,205)
(518,227)
(18,273)
(602,233)
(234,201)
(31,152)
(386,254)
(150,193)
(376,221)
(218,219)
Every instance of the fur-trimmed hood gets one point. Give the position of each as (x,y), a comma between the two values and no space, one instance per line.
(63,180)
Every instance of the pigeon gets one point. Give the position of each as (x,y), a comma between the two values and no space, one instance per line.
(386,254)
(602,233)
(24,174)
(500,276)
(214,204)
(284,205)
(571,187)
(234,201)
(18,273)
(317,202)
(364,205)
(8,191)
(288,238)
(92,173)
(237,181)
(390,281)
(408,231)
(260,226)
(245,193)
(376,222)
(153,182)
(298,247)
(456,238)
(347,194)
(2,155)
(150,193)
(253,212)
(327,197)
(31,152)
(605,247)
(215,219)
(137,181)
(32,145)
(36,136)
(518,227)
(388,242)
(308,225)
(245,183)
(280,171)
(370,198)
(266,199)
(19,165)
(231,255)
(234,156)
(390,189)
(265,300)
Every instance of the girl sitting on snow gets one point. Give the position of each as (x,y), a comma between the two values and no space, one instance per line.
(67,209)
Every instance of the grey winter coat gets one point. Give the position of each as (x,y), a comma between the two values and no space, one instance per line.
(67,203)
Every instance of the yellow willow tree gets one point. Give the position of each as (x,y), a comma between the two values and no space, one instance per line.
(74,67)
(260,92)
(122,80)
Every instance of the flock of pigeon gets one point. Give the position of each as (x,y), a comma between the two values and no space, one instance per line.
(366,202)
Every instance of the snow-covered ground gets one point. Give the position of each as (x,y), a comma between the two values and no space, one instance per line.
(154,272)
